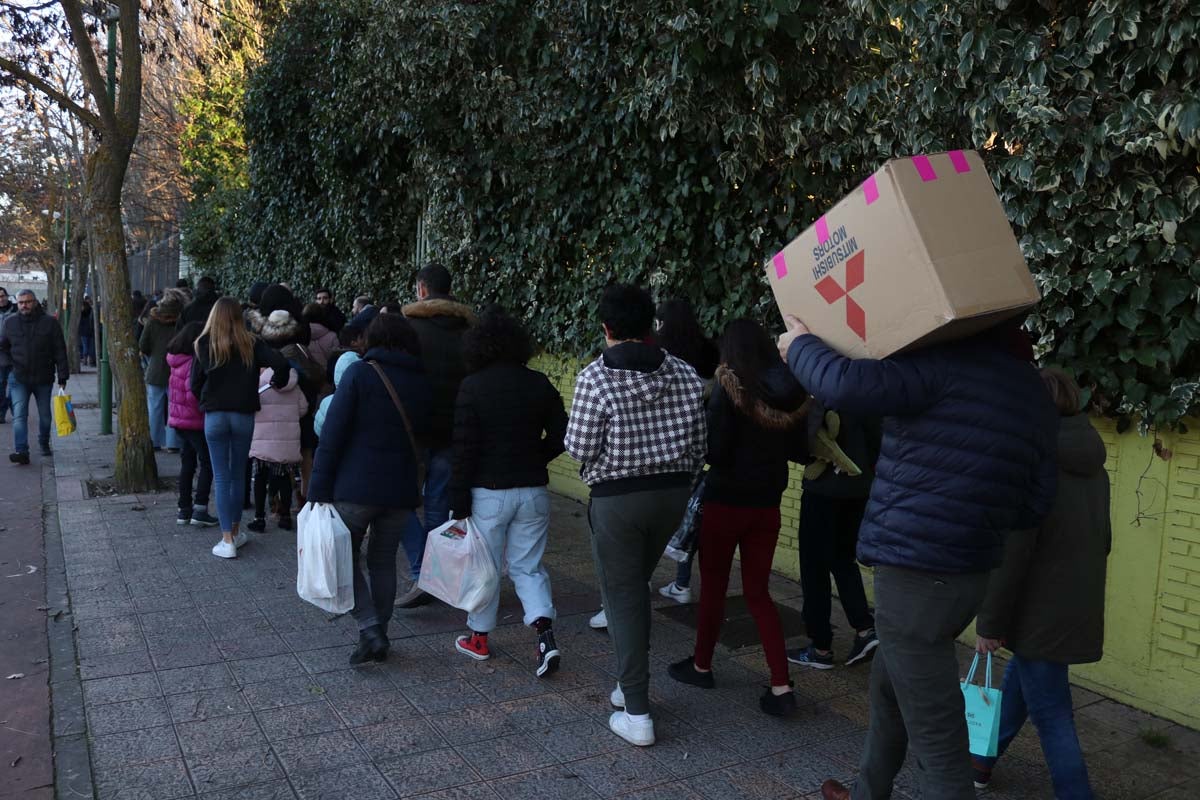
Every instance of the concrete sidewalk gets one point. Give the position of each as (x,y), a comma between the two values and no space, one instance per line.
(211,678)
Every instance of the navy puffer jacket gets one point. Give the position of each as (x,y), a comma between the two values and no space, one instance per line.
(967,454)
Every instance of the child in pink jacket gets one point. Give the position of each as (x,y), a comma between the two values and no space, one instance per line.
(185,416)
(275,448)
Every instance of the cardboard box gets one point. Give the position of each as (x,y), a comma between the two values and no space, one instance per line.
(920,252)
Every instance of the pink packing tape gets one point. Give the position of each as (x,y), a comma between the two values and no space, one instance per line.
(959,160)
(822,231)
(871,190)
(924,168)
(780,265)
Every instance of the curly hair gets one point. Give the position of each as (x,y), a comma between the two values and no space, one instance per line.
(497,337)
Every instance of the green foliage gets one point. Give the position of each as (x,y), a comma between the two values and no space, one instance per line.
(555,145)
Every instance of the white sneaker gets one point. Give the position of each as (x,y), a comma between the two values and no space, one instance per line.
(639,732)
(599,621)
(617,698)
(241,538)
(224,549)
(678,594)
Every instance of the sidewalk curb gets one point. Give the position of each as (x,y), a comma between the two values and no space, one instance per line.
(68,723)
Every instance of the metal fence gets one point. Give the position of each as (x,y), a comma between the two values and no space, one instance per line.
(156,267)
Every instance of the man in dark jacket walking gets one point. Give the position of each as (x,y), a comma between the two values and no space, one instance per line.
(966,456)
(7,309)
(1046,601)
(34,343)
(440,322)
(201,303)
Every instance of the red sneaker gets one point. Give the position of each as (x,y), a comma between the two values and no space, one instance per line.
(474,645)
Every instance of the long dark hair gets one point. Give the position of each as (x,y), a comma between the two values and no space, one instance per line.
(747,349)
(184,342)
(680,334)
(496,337)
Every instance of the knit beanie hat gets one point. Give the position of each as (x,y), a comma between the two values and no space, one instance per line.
(256,292)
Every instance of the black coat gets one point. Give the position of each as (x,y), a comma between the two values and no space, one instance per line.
(859,438)
(233,386)
(198,309)
(364,455)
(1046,600)
(440,323)
(509,423)
(35,347)
(752,439)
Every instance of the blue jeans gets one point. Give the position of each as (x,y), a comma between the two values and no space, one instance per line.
(514,523)
(156,402)
(436,509)
(228,434)
(20,394)
(87,346)
(4,402)
(1041,691)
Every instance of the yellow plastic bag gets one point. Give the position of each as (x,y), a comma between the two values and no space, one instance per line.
(64,413)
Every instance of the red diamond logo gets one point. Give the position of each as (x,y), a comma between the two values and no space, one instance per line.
(831,291)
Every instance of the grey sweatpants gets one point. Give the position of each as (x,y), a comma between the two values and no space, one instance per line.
(629,534)
(915,698)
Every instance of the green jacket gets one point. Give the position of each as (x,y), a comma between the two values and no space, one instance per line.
(156,335)
(1046,600)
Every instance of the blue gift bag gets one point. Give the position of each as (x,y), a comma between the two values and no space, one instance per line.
(983,711)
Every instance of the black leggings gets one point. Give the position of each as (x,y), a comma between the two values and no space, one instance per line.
(269,479)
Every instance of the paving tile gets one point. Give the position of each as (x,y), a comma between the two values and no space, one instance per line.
(114,665)
(258,646)
(275,790)
(329,659)
(280,693)
(184,655)
(322,752)
(666,791)
(737,782)
(471,791)
(266,668)
(350,682)
(498,758)
(120,688)
(577,740)
(301,720)
(372,709)
(358,782)
(194,679)
(133,747)
(616,773)
(804,770)
(128,715)
(543,711)
(399,738)
(691,754)
(430,771)
(473,724)
(210,703)
(554,781)
(231,768)
(440,698)
(237,732)
(162,780)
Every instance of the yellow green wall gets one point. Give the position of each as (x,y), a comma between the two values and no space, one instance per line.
(1152,619)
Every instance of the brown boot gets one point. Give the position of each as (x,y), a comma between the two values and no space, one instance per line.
(832,790)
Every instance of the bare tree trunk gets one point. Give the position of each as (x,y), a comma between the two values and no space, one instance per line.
(78,287)
(136,470)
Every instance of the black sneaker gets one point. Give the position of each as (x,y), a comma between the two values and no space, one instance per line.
(864,647)
(548,656)
(19,458)
(258,525)
(203,519)
(778,705)
(685,672)
(982,774)
(413,598)
(184,517)
(809,657)
(285,524)
(46,451)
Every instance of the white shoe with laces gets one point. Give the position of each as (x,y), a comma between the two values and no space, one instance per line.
(617,698)
(638,732)
(680,594)
(599,621)
(241,539)
(224,549)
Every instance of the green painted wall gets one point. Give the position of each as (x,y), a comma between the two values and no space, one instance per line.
(1152,619)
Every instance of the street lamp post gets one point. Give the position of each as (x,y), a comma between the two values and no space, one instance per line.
(111,16)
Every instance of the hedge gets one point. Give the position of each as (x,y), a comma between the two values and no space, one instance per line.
(553,146)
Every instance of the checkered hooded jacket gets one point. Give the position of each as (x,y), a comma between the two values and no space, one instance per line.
(626,423)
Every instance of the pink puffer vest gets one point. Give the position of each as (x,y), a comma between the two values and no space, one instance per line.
(183,411)
(277,424)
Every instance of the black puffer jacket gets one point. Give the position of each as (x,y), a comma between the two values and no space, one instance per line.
(440,322)
(198,309)
(752,439)
(35,347)
(1046,600)
(509,424)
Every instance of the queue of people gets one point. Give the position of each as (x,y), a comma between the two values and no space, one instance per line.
(939,468)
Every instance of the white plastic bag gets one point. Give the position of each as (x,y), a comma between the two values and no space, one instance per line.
(324,559)
(458,568)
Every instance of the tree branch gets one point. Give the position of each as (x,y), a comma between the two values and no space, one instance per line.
(22,74)
(129,103)
(88,65)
